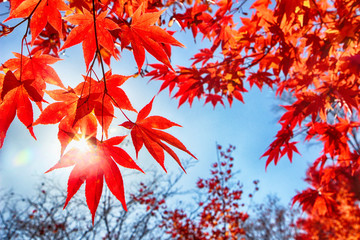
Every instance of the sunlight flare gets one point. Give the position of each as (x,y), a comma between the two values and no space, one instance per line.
(82,144)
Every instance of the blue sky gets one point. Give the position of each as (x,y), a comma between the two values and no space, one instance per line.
(250,127)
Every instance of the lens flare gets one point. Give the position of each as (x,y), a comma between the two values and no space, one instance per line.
(22,158)
(83,151)
(81,144)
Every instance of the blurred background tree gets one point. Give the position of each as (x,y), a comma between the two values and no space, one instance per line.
(217,208)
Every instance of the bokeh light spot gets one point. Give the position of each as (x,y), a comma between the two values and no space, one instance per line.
(22,158)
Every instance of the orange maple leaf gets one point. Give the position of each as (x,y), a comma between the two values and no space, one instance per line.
(142,34)
(85,33)
(15,99)
(145,132)
(47,11)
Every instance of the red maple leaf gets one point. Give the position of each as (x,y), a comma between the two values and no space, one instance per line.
(23,9)
(92,166)
(142,34)
(196,18)
(145,132)
(316,201)
(35,67)
(334,137)
(15,98)
(281,146)
(85,33)
(214,99)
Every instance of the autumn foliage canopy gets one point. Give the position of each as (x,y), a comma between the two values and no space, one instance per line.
(306,48)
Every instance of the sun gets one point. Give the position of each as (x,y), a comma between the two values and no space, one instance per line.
(81,144)
(84,152)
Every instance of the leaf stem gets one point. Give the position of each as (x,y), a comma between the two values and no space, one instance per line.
(97,47)
(102,69)
(118,107)
(27,18)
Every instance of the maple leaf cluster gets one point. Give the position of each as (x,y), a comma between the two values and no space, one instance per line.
(80,111)
(307,48)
